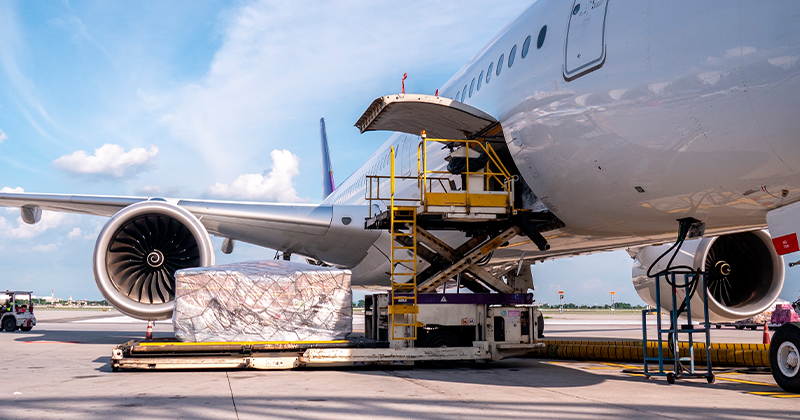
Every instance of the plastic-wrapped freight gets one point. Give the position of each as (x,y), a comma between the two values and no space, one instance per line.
(270,300)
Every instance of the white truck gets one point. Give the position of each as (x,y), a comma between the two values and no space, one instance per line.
(16,311)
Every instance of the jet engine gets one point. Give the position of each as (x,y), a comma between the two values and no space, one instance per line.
(744,275)
(138,252)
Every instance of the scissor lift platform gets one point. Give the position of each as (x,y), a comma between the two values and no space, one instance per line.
(490,327)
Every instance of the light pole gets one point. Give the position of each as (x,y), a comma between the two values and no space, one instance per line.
(561,302)
(612,302)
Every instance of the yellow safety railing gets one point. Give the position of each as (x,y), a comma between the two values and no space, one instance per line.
(437,188)
(497,189)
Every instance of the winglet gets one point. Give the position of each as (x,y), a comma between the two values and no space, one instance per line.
(327,172)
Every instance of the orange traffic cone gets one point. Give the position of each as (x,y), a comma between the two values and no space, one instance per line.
(766,334)
(149,334)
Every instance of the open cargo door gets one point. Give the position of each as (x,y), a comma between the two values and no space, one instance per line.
(441,118)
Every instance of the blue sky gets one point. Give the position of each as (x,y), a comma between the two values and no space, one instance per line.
(217,100)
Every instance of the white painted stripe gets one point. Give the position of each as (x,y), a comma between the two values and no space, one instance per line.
(122,319)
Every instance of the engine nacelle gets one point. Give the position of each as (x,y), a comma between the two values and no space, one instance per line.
(138,252)
(744,275)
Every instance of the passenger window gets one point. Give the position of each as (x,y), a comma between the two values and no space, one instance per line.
(525,46)
(489,72)
(471,87)
(464,94)
(499,64)
(511,56)
(542,34)
(480,80)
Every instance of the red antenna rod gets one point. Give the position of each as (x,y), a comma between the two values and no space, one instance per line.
(403,82)
(437,93)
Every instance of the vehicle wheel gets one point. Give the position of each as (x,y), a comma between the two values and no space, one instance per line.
(739,327)
(26,329)
(440,338)
(711,378)
(9,324)
(671,378)
(718,326)
(784,357)
(540,326)
(753,328)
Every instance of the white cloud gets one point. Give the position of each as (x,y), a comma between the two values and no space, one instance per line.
(22,230)
(158,191)
(785,62)
(3,136)
(108,160)
(710,77)
(45,248)
(278,61)
(11,190)
(74,233)
(739,51)
(273,186)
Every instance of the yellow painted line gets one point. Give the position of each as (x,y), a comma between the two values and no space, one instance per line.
(729,373)
(766,393)
(636,374)
(787,396)
(747,382)
(622,366)
(602,367)
(235,343)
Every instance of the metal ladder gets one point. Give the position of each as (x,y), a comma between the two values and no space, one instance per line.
(403,307)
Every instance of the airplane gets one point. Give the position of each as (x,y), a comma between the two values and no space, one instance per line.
(616,120)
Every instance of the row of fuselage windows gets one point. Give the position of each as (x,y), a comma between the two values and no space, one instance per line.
(362,181)
(471,87)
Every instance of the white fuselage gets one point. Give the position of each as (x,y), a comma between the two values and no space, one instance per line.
(693,112)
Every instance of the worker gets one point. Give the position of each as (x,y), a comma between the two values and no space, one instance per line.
(457,163)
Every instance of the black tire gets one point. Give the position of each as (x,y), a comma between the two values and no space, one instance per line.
(26,329)
(711,378)
(9,323)
(671,378)
(718,326)
(540,326)
(753,328)
(784,352)
(739,327)
(440,338)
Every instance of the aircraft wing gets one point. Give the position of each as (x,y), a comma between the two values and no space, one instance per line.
(97,205)
(330,233)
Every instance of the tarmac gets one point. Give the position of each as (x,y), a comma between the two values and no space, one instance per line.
(61,369)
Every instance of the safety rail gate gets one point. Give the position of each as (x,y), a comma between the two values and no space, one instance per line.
(484,193)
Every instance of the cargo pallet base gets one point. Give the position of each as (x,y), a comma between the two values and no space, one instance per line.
(476,327)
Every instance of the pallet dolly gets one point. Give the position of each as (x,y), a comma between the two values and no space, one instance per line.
(676,329)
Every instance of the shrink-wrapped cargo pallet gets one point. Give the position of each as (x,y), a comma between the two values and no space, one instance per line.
(270,300)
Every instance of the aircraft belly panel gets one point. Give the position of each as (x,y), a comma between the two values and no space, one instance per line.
(667,128)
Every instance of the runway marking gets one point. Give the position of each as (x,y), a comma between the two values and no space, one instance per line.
(776,394)
(622,366)
(121,319)
(741,381)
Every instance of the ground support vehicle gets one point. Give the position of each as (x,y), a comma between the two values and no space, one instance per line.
(784,356)
(473,327)
(16,311)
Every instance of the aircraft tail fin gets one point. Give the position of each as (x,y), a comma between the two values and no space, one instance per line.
(327,171)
